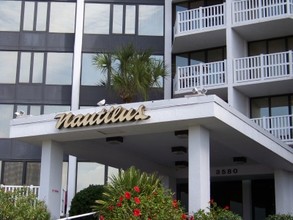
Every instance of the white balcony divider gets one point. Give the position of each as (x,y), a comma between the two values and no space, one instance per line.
(263,67)
(200,18)
(250,10)
(200,75)
(279,126)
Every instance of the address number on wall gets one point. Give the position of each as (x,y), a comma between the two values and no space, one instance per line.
(226,171)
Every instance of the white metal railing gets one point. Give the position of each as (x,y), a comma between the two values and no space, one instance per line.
(200,75)
(200,18)
(253,10)
(78,216)
(279,126)
(35,190)
(263,67)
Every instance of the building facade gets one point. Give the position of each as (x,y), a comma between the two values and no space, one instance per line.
(239,50)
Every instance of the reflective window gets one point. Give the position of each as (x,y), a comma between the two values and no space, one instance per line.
(41,16)
(117,19)
(5,117)
(48,109)
(33,170)
(38,67)
(62,17)
(59,68)
(8,64)
(23,108)
(279,106)
(148,16)
(97,18)
(91,75)
(10,12)
(89,173)
(112,172)
(35,110)
(130,19)
(25,66)
(12,174)
(160,81)
(28,21)
(259,107)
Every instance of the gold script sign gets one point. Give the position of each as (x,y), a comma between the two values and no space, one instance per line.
(112,115)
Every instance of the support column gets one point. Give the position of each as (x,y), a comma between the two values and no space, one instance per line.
(246,198)
(51,177)
(284,192)
(198,168)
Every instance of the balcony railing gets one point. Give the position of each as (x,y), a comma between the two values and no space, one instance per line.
(200,75)
(263,67)
(279,126)
(255,10)
(200,18)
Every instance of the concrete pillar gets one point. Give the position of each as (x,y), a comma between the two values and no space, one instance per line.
(51,177)
(284,192)
(246,199)
(198,168)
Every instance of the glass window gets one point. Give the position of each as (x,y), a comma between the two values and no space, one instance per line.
(181,60)
(35,110)
(290,43)
(8,64)
(38,66)
(257,48)
(64,175)
(59,68)
(148,16)
(97,18)
(12,174)
(117,19)
(112,172)
(0,170)
(10,12)
(25,66)
(33,170)
(197,57)
(91,75)
(279,106)
(215,55)
(48,109)
(160,81)
(62,17)
(23,108)
(5,117)
(276,46)
(130,19)
(260,107)
(89,173)
(41,16)
(28,20)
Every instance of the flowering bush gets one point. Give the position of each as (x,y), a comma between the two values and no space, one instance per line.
(137,195)
(280,217)
(216,213)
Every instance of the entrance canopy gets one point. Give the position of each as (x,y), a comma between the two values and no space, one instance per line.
(147,142)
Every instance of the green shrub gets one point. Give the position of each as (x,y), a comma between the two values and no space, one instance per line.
(280,217)
(22,205)
(216,213)
(83,201)
(137,195)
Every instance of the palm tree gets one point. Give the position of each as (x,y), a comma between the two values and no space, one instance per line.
(130,72)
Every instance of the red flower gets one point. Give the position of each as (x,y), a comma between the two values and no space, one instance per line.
(183,216)
(136,200)
(191,218)
(136,212)
(101,217)
(111,208)
(121,198)
(226,207)
(119,204)
(174,203)
(127,195)
(136,189)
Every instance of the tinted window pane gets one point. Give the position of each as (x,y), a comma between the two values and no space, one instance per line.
(8,63)
(91,75)
(97,19)
(25,64)
(197,57)
(13,173)
(276,46)
(33,174)
(5,117)
(35,110)
(62,17)
(260,108)
(38,66)
(10,15)
(28,23)
(48,109)
(280,106)
(256,48)
(59,68)
(117,19)
(130,19)
(148,16)
(41,16)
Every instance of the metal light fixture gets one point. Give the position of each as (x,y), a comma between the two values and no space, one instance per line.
(181,164)
(181,133)
(178,150)
(114,140)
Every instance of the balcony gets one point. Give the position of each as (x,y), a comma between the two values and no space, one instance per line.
(257,19)
(193,28)
(203,75)
(280,126)
(266,74)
